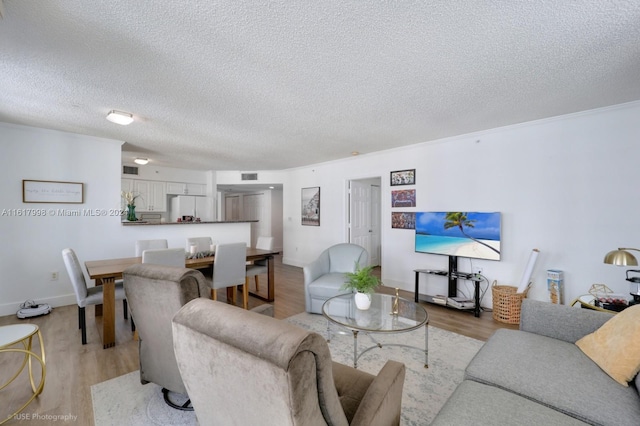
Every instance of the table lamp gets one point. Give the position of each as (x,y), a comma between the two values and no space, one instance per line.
(622,257)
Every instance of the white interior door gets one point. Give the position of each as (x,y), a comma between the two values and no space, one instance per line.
(376,241)
(360,215)
(232,208)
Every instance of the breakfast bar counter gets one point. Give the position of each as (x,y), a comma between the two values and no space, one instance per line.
(147,223)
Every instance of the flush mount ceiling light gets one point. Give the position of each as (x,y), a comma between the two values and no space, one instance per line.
(120,117)
(141,161)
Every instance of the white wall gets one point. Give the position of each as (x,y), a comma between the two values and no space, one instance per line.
(31,245)
(567,186)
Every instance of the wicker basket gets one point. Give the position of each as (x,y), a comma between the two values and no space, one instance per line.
(507,303)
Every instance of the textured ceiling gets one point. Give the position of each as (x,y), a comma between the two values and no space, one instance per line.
(256,85)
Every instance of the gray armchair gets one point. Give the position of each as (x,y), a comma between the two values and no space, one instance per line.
(155,294)
(244,369)
(324,276)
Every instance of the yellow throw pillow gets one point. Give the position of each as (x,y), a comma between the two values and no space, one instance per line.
(615,346)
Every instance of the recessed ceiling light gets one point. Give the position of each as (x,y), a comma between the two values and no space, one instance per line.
(141,161)
(120,117)
(271,187)
(355,153)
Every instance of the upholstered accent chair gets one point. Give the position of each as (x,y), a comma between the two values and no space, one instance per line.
(244,369)
(155,293)
(324,276)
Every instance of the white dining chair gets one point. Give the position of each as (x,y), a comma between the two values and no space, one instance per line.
(86,296)
(229,269)
(201,244)
(259,267)
(168,257)
(142,245)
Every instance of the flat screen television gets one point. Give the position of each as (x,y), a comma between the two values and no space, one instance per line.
(465,234)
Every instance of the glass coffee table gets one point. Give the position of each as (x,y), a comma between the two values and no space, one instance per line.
(384,317)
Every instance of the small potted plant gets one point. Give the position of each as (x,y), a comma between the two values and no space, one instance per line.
(364,283)
(130,198)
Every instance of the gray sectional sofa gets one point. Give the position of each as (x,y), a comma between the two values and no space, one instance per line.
(538,376)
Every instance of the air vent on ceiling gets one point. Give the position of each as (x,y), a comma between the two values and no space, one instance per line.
(129,170)
(249,176)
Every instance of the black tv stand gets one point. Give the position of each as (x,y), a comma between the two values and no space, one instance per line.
(453,276)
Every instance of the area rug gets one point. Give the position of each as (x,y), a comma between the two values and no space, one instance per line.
(124,401)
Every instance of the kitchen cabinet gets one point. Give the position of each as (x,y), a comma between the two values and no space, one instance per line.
(182,188)
(127,186)
(152,196)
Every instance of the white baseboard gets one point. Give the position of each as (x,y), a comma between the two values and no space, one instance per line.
(12,308)
(293,262)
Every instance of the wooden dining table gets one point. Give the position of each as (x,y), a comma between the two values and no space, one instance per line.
(106,272)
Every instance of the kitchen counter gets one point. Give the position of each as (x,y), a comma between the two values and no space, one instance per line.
(144,223)
(220,232)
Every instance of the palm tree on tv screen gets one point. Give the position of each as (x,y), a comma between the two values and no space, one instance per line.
(460,220)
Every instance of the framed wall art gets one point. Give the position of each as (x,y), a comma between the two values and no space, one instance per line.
(403,220)
(403,198)
(46,191)
(311,206)
(403,177)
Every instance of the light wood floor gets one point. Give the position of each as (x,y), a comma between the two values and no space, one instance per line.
(72,367)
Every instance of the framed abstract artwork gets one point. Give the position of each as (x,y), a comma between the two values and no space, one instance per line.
(403,177)
(403,220)
(403,198)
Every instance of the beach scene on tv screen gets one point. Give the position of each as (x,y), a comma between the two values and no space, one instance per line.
(465,234)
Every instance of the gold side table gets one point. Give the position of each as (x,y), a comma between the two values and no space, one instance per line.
(12,335)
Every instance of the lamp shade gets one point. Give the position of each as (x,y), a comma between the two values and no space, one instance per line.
(620,257)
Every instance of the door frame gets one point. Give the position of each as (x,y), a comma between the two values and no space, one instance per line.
(347,212)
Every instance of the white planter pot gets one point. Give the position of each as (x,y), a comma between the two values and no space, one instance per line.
(363,301)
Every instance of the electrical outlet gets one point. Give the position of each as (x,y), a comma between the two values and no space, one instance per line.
(477,270)
(54,276)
